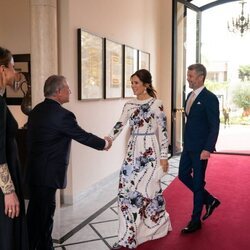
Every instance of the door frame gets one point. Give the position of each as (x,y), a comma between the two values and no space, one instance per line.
(174,109)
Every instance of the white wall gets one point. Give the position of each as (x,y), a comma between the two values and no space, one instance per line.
(142,24)
(132,22)
(15,35)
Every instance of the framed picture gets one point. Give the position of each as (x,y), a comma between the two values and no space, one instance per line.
(22,65)
(130,66)
(144,60)
(113,69)
(90,66)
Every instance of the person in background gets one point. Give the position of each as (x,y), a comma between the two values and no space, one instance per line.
(226,112)
(200,136)
(13,231)
(141,206)
(51,129)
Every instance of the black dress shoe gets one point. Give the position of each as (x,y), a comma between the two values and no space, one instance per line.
(191,227)
(210,208)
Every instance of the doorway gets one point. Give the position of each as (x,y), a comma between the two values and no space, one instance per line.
(196,37)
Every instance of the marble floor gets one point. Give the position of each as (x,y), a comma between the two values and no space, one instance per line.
(92,223)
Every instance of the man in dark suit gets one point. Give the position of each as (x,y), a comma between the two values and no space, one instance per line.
(50,131)
(200,136)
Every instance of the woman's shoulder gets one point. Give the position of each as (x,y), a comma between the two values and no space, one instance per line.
(158,101)
(150,101)
(131,101)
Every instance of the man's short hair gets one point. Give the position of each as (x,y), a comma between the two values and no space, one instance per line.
(199,68)
(53,84)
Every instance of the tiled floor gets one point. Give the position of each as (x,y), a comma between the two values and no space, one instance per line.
(92,224)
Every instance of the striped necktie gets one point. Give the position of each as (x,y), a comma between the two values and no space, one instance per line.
(190,102)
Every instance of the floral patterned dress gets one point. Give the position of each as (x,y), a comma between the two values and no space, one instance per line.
(141,206)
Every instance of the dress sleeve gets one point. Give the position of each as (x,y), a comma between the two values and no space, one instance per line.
(6,183)
(162,130)
(117,129)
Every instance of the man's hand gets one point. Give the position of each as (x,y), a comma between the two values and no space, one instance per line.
(205,155)
(12,206)
(164,164)
(109,140)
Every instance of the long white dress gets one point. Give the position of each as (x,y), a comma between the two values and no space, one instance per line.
(141,205)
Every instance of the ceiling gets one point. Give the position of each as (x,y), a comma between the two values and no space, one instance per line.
(207,4)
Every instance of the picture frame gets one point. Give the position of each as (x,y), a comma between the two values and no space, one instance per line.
(113,69)
(90,66)
(21,64)
(143,60)
(130,67)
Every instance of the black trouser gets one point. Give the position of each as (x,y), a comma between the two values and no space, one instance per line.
(192,174)
(40,215)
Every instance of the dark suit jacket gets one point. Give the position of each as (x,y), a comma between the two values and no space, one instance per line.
(50,131)
(203,122)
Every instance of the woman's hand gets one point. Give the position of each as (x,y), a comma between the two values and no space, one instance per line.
(12,206)
(164,164)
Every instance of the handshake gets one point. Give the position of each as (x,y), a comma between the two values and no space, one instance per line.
(108,141)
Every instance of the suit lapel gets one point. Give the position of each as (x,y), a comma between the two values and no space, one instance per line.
(185,106)
(198,99)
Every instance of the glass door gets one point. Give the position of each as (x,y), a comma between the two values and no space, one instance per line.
(186,46)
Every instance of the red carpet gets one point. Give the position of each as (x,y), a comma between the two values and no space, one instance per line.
(228,178)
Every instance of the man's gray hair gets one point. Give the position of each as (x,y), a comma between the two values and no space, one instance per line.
(53,84)
(199,68)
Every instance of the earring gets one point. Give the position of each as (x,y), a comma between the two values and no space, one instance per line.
(145,91)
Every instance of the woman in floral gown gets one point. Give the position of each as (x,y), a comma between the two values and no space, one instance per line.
(141,206)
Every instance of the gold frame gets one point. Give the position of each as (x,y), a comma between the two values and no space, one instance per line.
(90,66)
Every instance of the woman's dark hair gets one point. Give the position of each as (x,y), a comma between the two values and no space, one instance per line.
(145,76)
(5,57)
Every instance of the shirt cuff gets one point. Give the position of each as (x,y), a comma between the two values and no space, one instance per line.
(106,144)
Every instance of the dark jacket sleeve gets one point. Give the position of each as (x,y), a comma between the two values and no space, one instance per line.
(51,129)
(71,129)
(213,117)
